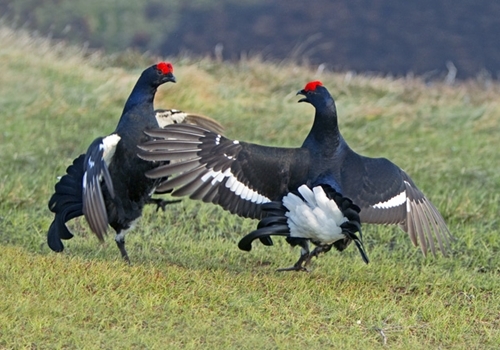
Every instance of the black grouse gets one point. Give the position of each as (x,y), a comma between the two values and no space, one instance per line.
(108,184)
(321,215)
(241,177)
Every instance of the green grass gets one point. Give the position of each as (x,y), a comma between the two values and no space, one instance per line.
(189,285)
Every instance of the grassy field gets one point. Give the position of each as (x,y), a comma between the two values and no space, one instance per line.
(189,286)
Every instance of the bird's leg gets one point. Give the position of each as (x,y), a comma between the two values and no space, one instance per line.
(120,242)
(304,254)
(316,252)
(161,203)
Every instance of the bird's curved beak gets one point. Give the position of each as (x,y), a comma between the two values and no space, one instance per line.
(170,77)
(302,92)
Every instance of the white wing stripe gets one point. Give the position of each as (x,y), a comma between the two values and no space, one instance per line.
(235,186)
(393,202)
(230,182)
(240,189)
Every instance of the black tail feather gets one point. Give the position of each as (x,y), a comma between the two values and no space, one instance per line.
(66,203)
(271,221)
(264,232)
(267,241)
(275,215)
(274,223)
(361,248)
(349,228)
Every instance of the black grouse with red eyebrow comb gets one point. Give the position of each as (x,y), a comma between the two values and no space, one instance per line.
(295,191)
(108,184)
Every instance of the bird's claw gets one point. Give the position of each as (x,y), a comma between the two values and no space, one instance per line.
(300,265)
(305,259)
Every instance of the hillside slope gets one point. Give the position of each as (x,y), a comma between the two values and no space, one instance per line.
(389,36)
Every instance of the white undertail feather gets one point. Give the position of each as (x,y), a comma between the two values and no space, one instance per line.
(327,205)
(316,217)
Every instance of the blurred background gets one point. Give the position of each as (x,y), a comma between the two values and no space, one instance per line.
(435,39)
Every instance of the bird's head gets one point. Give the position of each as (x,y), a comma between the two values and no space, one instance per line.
(317,95)
(161,73)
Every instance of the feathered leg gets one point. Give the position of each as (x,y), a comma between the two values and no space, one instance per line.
(120,242)
(304,254)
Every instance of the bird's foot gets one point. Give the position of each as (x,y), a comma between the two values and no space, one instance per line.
(161,203)
(299,265)
(127,259)
(315,253)
(295,267)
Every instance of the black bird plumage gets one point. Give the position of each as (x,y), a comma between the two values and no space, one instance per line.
(107,184)
(241,176)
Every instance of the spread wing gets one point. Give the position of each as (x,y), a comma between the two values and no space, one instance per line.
(166,117)
(387,195)
(207,166)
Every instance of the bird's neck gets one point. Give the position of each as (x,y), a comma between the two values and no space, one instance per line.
(139,108)
(324,136)
(142,95)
